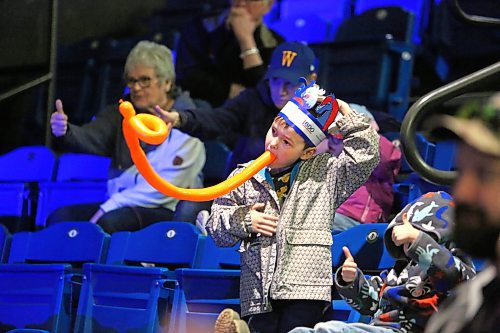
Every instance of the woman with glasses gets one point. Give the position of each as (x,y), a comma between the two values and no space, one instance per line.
(133,203)
(226,52)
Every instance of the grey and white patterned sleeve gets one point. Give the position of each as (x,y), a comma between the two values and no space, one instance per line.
(360,156)
(229,221)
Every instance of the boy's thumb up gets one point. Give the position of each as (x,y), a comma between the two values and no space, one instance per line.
(59,106)
(347,253)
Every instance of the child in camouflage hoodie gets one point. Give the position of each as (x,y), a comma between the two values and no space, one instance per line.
(427,267)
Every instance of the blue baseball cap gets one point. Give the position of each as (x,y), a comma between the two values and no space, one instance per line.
(290,61)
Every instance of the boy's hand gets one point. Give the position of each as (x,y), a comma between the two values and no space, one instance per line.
(349,268)
(404,233)
(344,108)
(262,223)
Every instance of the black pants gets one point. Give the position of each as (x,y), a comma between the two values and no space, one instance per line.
(121,219)
(286,315)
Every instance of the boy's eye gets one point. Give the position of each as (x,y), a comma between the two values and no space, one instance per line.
(273,130)
(287,142)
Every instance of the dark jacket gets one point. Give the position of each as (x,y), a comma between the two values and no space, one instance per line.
(208,61)
(242,121)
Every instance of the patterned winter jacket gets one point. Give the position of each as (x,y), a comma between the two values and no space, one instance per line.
(404,298)
(296,263)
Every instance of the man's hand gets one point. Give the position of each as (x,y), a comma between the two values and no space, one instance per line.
(59,120)
(171,118)
(235,89)
(404,233)
(262,223)
(349,268)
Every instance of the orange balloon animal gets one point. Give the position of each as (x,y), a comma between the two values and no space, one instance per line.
(153,130)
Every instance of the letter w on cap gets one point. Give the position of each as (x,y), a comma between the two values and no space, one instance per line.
(288,57)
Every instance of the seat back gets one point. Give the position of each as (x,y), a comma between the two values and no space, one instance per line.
(5,239)
(27,164)
(215,257)
(35,296)
(366,244)
(166,244)
(118,298)
(66,242)
(311,22)
(216,165)
(82,167)
(20,170)
(204,294)
(419,8)
(80,178)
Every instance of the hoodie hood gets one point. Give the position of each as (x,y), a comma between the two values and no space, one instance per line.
(431,213)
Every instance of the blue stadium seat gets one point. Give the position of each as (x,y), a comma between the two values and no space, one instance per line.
(311,21)
(370,62)
(35,296)
(5,238)
(20,170)
(166,244)
(307,28)
(80,178)
(419,8)
(120,296)
(366,244)
(38,285)
(215,257)
(216,165)
(66,242)
(204,294)
(134,299)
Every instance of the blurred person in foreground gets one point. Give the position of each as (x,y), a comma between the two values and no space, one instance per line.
(475,306)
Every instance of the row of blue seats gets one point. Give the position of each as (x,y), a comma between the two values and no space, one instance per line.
(318,21)
(74,272)
(34,182)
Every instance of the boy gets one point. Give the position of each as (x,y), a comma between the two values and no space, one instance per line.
(283,215)
(427,268)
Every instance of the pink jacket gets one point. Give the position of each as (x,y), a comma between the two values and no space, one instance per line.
(372,202)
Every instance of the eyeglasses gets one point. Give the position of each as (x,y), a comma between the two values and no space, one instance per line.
(144,81)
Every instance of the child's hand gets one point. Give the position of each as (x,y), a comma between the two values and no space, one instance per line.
(344,108)
(349,268)
(264,224)
(404,233)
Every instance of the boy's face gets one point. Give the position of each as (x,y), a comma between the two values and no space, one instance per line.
(281,91)
(286,145)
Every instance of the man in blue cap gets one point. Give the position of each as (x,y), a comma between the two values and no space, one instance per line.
(243,121)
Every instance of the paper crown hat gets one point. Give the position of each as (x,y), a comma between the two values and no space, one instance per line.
(310,112)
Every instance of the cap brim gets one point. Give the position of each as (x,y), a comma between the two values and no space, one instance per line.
(286,74)
(471,131)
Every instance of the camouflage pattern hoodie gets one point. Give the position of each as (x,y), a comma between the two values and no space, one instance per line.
(405,297)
